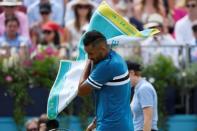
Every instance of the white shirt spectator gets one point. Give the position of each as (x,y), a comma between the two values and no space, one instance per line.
(69,13)
(164,45)
(183,31)
(75,34)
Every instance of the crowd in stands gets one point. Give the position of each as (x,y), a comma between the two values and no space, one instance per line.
(31,25)
(41,124)
(28,27)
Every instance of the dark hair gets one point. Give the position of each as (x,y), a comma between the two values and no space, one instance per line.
(156,5)
(93,37)
(56,40)
(45,7)
(12,18)
(52,124)
(133,66)
(77,21)
(194,28)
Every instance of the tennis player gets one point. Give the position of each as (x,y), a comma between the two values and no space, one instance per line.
(107,75)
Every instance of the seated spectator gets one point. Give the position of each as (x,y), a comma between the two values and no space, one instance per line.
(69,13)
(183,27)
(12,39)
(42,122)
(51,43)
(175,10)
(193,49)
(10,9)
(34,13)
(179,10)
(36,29)
(162,43)
(147,7)
(132,16)
(83,11)
(32,125)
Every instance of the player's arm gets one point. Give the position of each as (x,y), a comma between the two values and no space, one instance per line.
(84,88)
(92,125)
(147,111)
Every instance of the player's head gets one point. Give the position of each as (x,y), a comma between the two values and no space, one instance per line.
(95,45)
(134,71)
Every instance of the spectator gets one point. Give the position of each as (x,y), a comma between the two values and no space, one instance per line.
(34,15)
(51,32)
(32,125)
(51,44)
(83,11)
(12,39)
(183,28)
(193,50)
(162,43)
(10,9)
(179,10)
(148,7)
(132,16)
(175,11)
(42,122)
(36,29)
(69,13)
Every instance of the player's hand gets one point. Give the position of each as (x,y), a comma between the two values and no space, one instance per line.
(91,126)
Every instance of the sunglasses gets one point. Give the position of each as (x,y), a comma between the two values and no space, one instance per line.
(44,13)
(83,6)
(47,32)
(191,5)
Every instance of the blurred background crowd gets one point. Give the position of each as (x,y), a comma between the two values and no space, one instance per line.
(35,29)
(30,27)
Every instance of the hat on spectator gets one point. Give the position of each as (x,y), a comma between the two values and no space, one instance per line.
(154,20)
(11,3)
(52,26)
(83,2)
(45,8)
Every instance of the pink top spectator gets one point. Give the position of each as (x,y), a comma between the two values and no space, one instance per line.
(179,13)
(24,27)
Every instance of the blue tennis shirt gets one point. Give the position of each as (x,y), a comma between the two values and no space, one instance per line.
(110,79)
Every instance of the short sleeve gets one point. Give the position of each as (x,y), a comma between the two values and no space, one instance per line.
(146,97)
(100,75)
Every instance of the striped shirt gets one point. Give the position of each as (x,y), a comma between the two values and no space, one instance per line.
(110,80)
